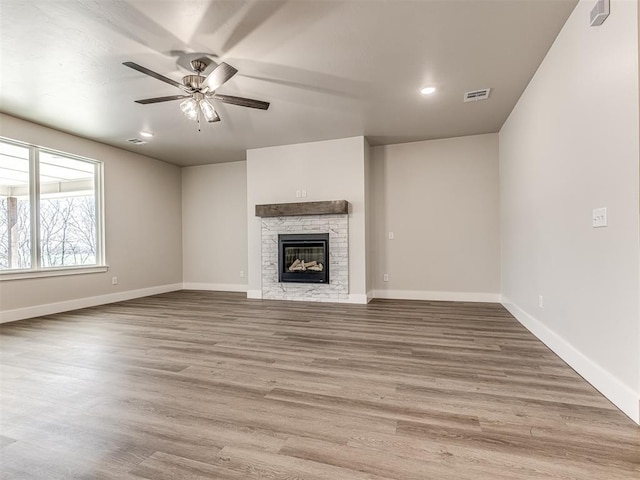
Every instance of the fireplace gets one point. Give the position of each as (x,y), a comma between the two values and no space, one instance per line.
(303,258)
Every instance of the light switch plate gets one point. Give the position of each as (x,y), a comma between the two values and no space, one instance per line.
(599,217)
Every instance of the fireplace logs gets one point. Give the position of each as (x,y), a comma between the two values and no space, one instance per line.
(302,266)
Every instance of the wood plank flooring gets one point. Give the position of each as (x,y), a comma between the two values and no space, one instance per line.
(204,385)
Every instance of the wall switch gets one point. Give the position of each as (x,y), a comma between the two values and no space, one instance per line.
(298,194)
(385,277)
(241,273)
(391,236)
(541,301)
(114,280)
(304,193)
(599,217)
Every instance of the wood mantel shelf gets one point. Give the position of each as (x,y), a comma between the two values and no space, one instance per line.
(333,207)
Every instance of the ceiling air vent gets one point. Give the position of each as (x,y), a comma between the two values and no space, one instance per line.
(476,95)
(136,141)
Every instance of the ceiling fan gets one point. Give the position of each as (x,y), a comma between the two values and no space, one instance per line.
(198,90)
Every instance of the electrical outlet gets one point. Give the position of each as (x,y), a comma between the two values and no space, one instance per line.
(541,301)
(391,236)
(304,193)
(298,193)
(599,218)
(241,273)
(114,280)
(385,277)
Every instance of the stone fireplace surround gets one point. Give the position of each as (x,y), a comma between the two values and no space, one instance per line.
(308,217)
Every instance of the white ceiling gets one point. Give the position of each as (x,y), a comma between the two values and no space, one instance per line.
(331,69)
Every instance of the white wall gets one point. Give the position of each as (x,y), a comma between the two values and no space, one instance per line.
(143,230)
(569,146)
(329,170)
(440,200)
(214,226)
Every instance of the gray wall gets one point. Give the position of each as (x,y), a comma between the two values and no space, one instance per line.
(440,200)
(214,226)
(570,146)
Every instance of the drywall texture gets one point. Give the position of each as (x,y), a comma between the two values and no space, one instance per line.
(439,198)
(142,223)
(214,226)
(329,170)
(570,146)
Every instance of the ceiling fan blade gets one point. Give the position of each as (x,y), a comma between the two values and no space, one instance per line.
(155,75)
(161,99)
(221,74)
(241,101)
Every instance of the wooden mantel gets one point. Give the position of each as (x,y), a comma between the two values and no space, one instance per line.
(333,207)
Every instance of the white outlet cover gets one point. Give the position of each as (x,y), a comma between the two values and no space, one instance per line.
(599,217)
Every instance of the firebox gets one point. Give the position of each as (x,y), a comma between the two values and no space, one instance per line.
(303,258)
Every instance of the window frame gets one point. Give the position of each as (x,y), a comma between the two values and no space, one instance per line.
(37,270)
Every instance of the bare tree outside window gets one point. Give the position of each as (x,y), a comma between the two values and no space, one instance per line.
(67,231)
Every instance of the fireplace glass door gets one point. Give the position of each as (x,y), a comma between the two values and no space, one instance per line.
(303,258)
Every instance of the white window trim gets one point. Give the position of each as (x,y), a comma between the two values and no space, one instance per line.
(51,272)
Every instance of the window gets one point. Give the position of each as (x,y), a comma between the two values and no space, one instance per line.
(50,210)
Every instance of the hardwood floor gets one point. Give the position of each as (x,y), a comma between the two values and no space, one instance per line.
(203,385)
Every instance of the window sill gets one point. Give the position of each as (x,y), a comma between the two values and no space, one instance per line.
(51,272)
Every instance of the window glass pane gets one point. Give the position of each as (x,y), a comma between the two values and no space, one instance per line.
(67,211)
(15,211)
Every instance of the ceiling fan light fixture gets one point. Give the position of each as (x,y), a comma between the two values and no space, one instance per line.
(190,109)
(208,111)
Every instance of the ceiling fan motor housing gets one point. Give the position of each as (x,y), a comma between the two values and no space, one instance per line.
(193,81)
(199,64)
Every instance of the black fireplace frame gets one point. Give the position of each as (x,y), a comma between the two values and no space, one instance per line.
(312,239)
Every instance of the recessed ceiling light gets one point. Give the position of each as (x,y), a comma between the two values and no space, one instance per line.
(427,90)
(146,134)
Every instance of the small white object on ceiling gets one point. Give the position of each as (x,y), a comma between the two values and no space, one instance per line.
(599,13)
(475,95)
(136,141)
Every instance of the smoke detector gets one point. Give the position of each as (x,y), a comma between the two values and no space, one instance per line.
(476,95)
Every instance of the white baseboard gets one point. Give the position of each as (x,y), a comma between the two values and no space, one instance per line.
(438,296)
(216,287)
(65,306)
(358,298)
(620,394)
(254,294)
